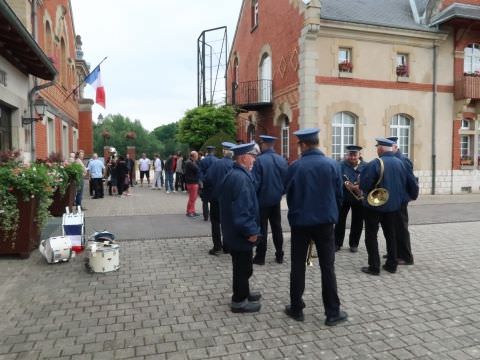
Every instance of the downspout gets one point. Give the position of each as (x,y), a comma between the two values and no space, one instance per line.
(434,117)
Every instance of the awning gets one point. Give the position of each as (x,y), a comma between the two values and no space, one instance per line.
(18,46)
(456,11)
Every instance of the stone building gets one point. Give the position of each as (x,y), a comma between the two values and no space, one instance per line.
(362,69)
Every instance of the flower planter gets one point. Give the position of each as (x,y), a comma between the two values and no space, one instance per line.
(26,238)
(60,202)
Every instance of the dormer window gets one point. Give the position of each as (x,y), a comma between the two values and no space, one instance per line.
(254,14)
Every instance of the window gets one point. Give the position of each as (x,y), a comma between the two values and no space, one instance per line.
(471,60)
(3,78)
(343,134)
(254,14)
(402,65)
(235,70)
(400,127)
(48,40)
(65,151)
(265,86)
(251,133)
(345,60)
(51,136)
(5,129)
(286,138)
(75,140)
(63,63)
(465,124)
(465,146)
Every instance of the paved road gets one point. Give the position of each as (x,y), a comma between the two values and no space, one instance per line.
(169,300)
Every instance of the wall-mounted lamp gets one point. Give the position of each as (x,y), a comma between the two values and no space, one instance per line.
(40,106)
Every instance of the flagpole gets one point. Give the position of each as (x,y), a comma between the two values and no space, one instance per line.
(95,68)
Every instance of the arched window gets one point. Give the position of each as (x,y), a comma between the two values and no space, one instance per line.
(265,86)
(251,133)
(63,62)
(48,40)
(285,137)
(400,126)
(343,133)
(235,70)
(471,60)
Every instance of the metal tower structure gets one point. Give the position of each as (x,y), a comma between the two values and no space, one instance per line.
(212,67)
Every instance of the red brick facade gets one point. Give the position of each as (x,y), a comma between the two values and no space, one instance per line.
(56,37)
(281,44)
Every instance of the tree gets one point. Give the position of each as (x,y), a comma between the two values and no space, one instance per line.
(166,134)
(201,123)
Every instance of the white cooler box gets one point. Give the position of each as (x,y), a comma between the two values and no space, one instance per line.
(56,249)
(103,257)
(73,227)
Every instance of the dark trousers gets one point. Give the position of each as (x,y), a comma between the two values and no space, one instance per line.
(404,248)
(179,182)
(270,214)
(322,235)
(242,270)
(356,226)
(372,221)
(204,209)
(215,221)
(98,187)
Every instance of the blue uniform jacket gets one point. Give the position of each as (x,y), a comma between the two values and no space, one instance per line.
(269,172)
(214,178)
(395,179)
(352,175)
(240,216)
(314,190)
(204,164)
(409,166)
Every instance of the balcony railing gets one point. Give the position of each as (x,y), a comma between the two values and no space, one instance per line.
(468,87)
(252,94)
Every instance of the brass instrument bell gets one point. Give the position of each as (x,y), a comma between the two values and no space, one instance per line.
(378,196)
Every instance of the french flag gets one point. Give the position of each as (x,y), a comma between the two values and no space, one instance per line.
(95,79)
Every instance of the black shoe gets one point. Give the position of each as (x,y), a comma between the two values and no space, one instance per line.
(279,259)
(389,269)
(295,315)
(245,307)
(384,256)
(213,252)
(353,249)
(205,219)
(334,320)
(257,261)
(338,248)
(254,296)
(368,271)
(226,251)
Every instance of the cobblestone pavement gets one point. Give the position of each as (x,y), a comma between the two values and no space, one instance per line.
(170,300)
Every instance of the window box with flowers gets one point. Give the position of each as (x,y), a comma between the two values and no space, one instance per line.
(345,66)
(25,195)
(402,71)
(466,161)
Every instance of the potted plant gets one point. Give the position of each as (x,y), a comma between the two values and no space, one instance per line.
(466,160)
(402,70)
(25,195)
(67,177)
(345,66)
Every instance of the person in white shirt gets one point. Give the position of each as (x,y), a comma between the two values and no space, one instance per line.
(157,167)
(144,167)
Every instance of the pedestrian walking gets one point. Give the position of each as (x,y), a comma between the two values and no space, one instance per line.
(192,175)
(388,173)
(314,190)
(269,172)
(350,169)
(240,223)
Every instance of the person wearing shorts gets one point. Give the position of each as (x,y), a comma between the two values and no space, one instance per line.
(144,167)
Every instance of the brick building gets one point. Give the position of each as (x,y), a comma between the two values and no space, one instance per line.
(361,69)
(64,125)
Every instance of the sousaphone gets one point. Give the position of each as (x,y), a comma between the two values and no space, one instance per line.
(378,196)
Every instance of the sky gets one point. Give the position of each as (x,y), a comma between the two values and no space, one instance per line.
(151,70)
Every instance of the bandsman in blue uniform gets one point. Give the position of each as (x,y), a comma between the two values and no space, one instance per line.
(350,169)
(314,192)
(240,224)
(269,172)
(404,248)
(400,184)
(203,166)
(211,192)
